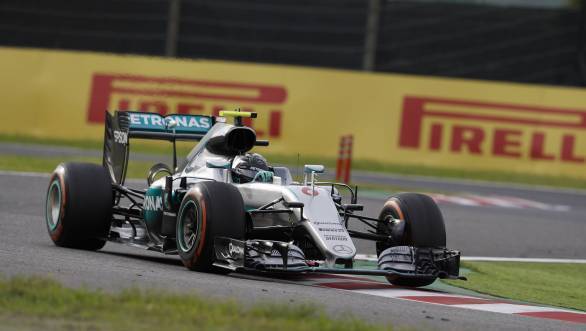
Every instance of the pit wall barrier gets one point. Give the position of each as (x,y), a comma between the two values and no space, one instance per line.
(411,120)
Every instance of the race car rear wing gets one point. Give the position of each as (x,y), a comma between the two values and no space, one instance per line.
(123,125)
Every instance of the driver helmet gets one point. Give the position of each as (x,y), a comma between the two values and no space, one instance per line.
(251,167)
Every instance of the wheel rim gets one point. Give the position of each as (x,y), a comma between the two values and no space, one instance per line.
(53,208)
(391,224)
(188,226)
(388,221)
(396,227)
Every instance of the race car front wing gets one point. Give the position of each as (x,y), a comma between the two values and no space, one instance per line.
(283,257)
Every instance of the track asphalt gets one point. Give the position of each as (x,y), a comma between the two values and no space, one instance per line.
(25,249)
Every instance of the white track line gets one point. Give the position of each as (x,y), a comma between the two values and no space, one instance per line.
(398,293)
(516,259)
(508,308)
(372,257)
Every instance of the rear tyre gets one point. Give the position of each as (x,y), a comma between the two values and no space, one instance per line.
(208,210)
(78,209)
(414,220)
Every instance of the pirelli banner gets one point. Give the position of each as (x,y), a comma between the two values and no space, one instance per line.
(394,118)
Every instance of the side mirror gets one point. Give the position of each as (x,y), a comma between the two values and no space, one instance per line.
(218,164)
(158,169)
(317,168)
(311,170)
(353,207)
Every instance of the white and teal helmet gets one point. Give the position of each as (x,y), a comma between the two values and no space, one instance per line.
(251,167)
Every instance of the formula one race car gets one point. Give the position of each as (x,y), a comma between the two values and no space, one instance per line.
(225,209)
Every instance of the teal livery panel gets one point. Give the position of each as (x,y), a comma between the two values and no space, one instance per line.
(197,124)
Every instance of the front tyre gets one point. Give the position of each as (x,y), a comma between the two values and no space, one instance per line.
(412,219)
(208,210)
(78,209)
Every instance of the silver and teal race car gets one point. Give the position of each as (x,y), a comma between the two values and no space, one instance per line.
(224,209)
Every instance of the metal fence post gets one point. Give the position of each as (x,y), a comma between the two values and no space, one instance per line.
(371,35)
(172,28)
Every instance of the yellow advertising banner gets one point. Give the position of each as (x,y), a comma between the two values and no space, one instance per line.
(393,118)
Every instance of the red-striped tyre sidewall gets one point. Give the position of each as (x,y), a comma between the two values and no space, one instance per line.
(193,255)
(221,213)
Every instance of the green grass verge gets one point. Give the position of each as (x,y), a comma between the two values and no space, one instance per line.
(555,284)
(79,143)
(38,303)
(184,147)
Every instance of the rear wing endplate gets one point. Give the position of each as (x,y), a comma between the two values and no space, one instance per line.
(123,125)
